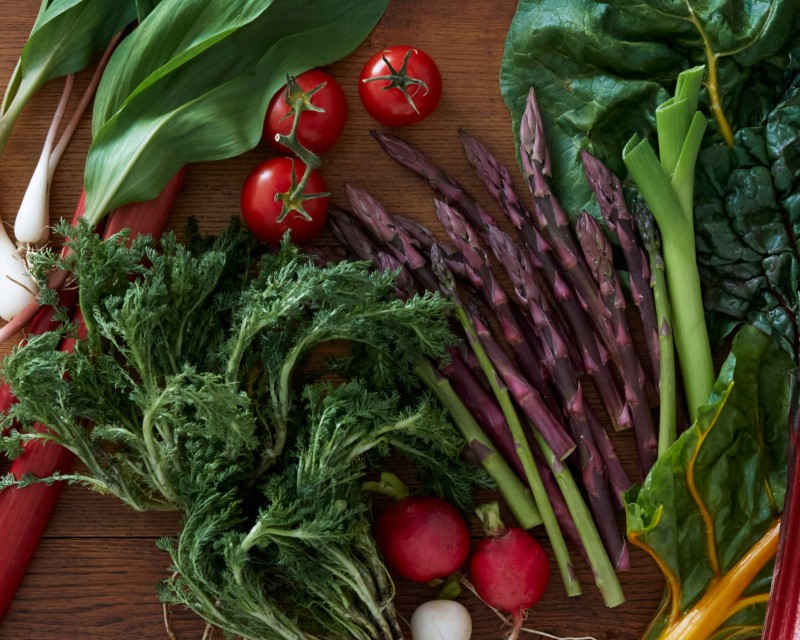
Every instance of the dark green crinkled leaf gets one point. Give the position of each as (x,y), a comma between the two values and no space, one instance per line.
(600,69)
(192,83)
(747,220)
(740,444)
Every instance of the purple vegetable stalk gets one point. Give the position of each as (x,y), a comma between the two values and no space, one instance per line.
(527,290)
(478,272)
(613,325)
(597,251)
(608,191)
(371,214)
(595,359)
(593,542)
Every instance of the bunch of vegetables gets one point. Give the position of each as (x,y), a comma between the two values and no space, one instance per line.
(723,193)
(176,90)
(187,393)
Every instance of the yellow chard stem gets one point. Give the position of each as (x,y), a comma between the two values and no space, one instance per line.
(722,598)
(712,84)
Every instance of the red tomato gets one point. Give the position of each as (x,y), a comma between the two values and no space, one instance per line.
(317,130)
(400,86)
(261,210)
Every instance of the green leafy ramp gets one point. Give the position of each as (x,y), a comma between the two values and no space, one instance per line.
(718,491)
(600,69)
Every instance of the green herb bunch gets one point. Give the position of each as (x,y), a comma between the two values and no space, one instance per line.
(188,392)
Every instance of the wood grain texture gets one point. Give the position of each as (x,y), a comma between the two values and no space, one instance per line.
(94,572)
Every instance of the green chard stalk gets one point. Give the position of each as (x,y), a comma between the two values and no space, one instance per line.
(668,187)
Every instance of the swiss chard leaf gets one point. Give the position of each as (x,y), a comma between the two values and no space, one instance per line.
(600,68)
(718,491)
(193,82)
(747,220)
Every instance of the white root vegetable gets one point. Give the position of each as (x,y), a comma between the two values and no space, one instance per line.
(17,288)
(33,219)
(441,620)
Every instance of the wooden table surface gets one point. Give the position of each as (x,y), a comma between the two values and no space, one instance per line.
(94,571)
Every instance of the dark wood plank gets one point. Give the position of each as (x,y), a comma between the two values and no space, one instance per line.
(94,572)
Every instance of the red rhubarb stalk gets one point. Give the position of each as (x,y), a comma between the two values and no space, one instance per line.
(783,610)
(24,512)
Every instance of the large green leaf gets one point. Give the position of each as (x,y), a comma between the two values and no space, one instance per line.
(195,80)
(719,489)
(747,220)
(65,36)
(600,68)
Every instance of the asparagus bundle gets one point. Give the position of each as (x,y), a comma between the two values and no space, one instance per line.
(595,358)
(613,326)
(608,191)
(516,495)
(498,181)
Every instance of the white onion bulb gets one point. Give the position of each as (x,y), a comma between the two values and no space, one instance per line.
(441,620)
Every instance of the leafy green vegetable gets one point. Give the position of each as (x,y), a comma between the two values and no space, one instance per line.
(188,393)
(192,83)
(747,222)
(66,34)
(716,495)
(601,68)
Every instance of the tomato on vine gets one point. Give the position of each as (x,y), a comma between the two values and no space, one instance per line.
(273,201)
(322,117)
(400,86)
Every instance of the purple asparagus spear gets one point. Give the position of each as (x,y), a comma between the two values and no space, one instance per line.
(608,191)
(479,273)
(371,214)
(552,221)
(597,251)
(595,359)
(350,234)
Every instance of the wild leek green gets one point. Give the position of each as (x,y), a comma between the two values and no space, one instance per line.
(65,36)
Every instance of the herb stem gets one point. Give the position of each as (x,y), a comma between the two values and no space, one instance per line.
(152,452)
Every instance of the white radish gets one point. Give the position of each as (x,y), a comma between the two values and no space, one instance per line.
(17,288)
(33,219)
(441,620)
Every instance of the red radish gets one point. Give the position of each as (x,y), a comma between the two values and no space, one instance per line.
(422,538)
(509,569)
